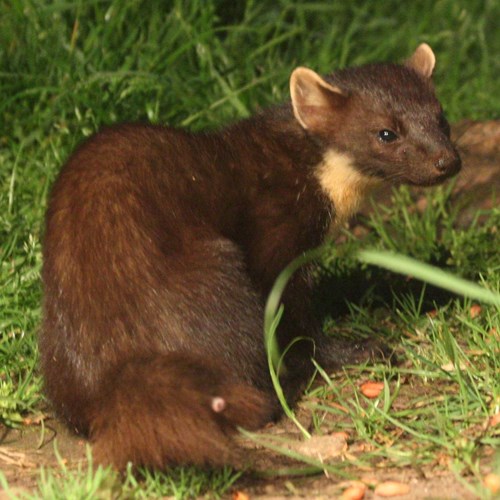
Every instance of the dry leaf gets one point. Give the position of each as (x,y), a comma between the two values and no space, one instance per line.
(321,447)
(443,459)
(392,489)
(372,389)
(340,407)
(492,482)
(450,367)
(239,495)
(475,310)
(494,420)
(355,492)
(15,458)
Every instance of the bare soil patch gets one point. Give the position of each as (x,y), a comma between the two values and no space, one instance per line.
(24,451)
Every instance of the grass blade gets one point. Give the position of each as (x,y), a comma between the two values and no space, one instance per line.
(435,276)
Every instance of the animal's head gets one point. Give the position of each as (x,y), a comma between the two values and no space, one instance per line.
(384,118)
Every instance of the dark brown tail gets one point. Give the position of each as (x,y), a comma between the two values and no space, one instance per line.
(172,409)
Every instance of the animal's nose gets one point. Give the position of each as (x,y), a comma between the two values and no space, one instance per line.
(440,164)
(448,164)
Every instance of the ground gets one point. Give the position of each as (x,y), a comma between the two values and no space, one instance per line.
(23,451)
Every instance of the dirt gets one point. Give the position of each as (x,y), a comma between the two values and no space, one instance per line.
(420,487)
(24,451)
(433,481)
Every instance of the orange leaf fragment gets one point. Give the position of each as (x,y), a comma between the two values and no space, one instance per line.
(372,389)
(240,495)
(492,482)
(355,492)
(343,409)
(392,489)
(475,310)
(494,420)
(451,367)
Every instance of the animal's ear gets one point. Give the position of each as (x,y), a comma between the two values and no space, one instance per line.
(313,99)
(422,61)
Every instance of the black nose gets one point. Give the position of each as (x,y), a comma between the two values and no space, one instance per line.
(440,164)
(449,165)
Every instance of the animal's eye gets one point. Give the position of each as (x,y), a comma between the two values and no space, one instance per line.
(387,136)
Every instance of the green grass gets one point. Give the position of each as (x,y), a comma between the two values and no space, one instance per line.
(86,482)
(67,68)
(439,399)
(437,402)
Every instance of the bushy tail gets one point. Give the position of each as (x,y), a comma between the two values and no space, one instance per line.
(172,409)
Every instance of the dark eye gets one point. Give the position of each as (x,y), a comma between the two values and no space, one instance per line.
(387,136)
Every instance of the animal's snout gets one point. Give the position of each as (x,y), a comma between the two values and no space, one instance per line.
(448,164)
(440,164)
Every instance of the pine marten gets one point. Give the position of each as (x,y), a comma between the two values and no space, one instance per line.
(161,246)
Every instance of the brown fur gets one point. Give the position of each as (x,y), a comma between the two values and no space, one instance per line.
(161,247)
(169,429)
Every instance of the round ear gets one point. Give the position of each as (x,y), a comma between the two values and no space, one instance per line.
(422,61)
(313,99)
